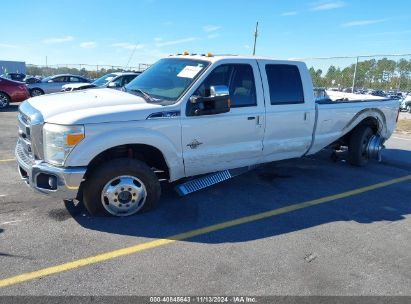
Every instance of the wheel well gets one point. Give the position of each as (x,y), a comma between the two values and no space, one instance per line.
(37,89)
(148,154)
(372,122)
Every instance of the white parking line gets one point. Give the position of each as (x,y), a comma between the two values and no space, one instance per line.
(11,222)
(1,195)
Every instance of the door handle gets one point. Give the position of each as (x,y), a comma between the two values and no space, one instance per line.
(259,121)
(251,118)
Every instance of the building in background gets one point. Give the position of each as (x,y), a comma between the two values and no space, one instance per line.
(12,67)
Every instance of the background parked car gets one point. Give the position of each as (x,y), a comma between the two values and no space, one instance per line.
(12,91)
(406,104)
(378,93)
(112,80)
(54,84)
(32,79)
(14,76)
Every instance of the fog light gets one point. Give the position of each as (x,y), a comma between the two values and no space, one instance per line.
(46,181)
(53,182)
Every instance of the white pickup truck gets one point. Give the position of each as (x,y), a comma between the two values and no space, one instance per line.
(187,115)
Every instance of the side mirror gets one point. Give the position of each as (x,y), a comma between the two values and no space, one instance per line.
(218,102)
(113,85)
(219,90)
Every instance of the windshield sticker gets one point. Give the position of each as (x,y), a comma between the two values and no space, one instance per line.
(189,71)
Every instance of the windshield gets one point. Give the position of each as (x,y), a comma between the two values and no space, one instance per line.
(47,79)
(168,78)
(103,80)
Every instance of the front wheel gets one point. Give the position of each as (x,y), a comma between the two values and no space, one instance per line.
(36,92)
(121,187)
(4,100)
(408,109)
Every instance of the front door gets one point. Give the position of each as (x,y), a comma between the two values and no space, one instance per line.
(217,142)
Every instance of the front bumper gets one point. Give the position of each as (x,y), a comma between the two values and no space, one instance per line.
(62,183)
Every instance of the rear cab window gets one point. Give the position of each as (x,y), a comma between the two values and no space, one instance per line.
(285,85)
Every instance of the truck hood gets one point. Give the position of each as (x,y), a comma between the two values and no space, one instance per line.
(92,106)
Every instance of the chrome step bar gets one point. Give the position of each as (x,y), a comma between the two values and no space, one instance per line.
(209,180)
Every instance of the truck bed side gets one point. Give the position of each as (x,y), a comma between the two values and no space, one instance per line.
(336,119)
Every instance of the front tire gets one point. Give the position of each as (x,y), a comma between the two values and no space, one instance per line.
(357,149)
(36,92)
(4,100)
(121,187)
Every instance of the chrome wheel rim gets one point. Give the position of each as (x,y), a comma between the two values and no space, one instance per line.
(3,101)
(36,92)
(123,195)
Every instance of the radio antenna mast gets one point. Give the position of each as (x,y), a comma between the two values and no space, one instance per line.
(255,37)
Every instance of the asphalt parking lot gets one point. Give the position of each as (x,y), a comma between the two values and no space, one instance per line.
(309,226)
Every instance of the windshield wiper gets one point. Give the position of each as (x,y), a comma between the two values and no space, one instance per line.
(146,95)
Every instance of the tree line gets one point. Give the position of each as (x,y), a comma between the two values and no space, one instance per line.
(47,71)
(383,74)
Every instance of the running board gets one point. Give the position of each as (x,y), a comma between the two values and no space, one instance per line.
(209,180)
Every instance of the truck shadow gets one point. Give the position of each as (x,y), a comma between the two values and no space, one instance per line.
(266,188)
(14,107)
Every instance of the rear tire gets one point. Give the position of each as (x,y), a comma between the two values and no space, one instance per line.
(357,149)
(121,187)
(4,100)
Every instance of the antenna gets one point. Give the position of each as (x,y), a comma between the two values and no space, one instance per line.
(255,37)
(131,56)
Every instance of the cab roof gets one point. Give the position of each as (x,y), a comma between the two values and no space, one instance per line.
(215,58)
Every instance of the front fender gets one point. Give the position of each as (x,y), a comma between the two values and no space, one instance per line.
(101,137)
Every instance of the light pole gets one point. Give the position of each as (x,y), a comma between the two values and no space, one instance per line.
(355,75)
(255,38)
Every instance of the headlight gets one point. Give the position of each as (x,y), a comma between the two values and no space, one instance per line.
(59,141)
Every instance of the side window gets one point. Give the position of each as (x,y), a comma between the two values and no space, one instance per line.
(118,81)
(127,79)
(242,87)
(285,84)
(59,79)
(74,79)
(239,79)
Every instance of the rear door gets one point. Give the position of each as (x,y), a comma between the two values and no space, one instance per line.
(290,109)
(229,140)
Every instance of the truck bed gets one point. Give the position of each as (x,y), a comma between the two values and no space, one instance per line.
(334,119)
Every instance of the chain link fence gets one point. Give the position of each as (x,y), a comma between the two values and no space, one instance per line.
(87,70)
(365,72)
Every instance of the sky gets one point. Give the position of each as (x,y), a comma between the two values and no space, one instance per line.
(113,32)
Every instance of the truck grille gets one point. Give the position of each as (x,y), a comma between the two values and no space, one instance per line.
(25,134)
(23,154)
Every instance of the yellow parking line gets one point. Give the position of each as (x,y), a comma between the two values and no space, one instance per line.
(189,234)
(7,160)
